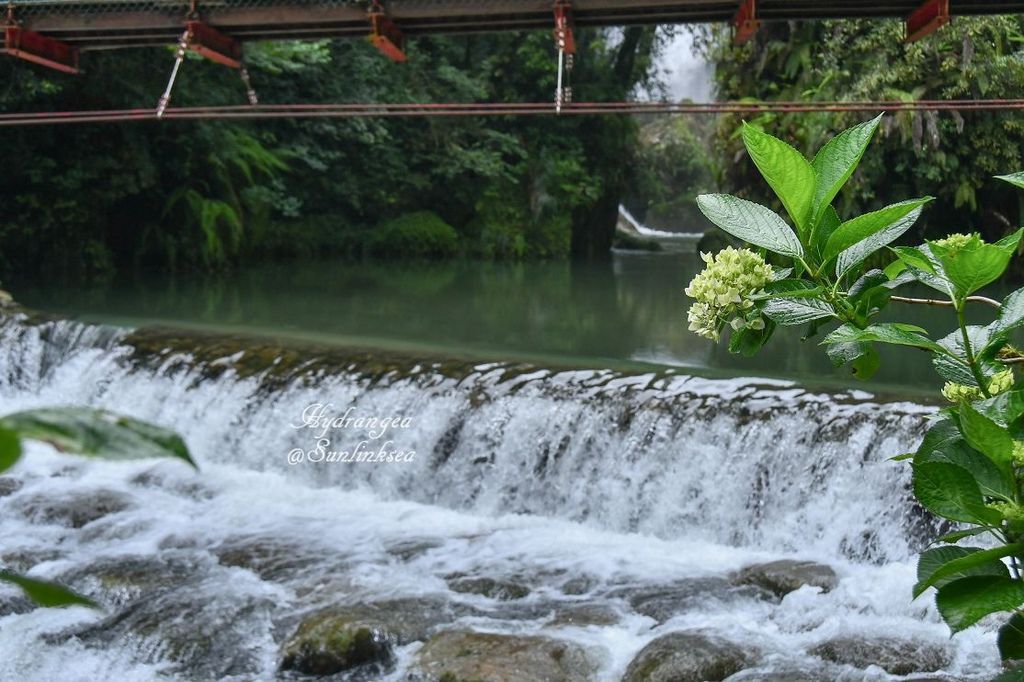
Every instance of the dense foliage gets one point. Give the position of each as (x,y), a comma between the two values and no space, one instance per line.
(969,469)
(86,200)
(948,154)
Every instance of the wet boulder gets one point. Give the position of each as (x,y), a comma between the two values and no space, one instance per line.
(9,485)
(466,656)
(119,580)
(332,641)
(782,577)
(894,655)
(790,673)
(275,559)
(404,619)
(584,615)
(502,589)
(662,602)
(73,509)
(687,657)
(200,630)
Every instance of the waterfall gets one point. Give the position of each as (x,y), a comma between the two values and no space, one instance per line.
(587,511)
(743,462)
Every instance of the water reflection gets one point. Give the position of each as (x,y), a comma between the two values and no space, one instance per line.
(630,310)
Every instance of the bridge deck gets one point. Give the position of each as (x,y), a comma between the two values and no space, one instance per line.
(122,23)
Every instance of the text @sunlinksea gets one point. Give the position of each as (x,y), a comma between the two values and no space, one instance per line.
(363,452)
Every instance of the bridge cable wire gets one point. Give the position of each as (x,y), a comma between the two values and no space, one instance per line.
(381,110)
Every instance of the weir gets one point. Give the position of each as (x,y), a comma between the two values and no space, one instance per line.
(534,492)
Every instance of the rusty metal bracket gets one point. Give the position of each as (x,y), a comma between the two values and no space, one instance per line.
(214,45)
(926,19)
(745,22)
(37,48)
(385,35)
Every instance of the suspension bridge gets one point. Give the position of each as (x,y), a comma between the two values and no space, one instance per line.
(54,33)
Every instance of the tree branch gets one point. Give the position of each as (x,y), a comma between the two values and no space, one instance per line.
(947,304)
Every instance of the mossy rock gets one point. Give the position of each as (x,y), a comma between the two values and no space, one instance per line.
(895,655)
(466,656)
(782,577)
(686,657)
(330,642)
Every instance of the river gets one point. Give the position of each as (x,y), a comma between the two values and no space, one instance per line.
(585,475)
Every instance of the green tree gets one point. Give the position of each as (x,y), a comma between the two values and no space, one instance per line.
(948,154)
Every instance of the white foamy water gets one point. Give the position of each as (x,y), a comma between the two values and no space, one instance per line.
(616,483)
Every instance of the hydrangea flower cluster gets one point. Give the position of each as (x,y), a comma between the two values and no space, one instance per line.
(1011,511)
(999,382)
(956,242)
(722,292)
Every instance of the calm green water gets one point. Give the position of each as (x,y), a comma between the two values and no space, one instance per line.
(627,312)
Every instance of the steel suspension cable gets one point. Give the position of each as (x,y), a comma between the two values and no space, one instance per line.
(370,110)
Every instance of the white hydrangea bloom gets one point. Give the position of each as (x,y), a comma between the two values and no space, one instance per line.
(722,292)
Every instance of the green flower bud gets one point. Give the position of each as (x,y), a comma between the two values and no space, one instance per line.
(957,393)
(1018,452)
(957,242)
(1000,382)
(1010,510)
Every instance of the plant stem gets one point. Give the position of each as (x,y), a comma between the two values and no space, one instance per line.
(969,352)
(948,304)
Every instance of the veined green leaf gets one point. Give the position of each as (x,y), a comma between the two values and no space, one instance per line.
(987,437)
(97,433)
(1010,242)
(926,268)
(753,223)
(835,162)
(895,269)
(1016,179)
(1003,409)
(950,491)
(10,449)
(46,593)
(862,356)
(943,565)
(914,258)
(974,266)
(957,371)
(823,229)
(887,332)
(1011,314)
(1011,639)
(964,602)
(786,171)
(856,254)
(792,288)
(958,535)
(944,443)
(862,227)
(748,341)
(793,311)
